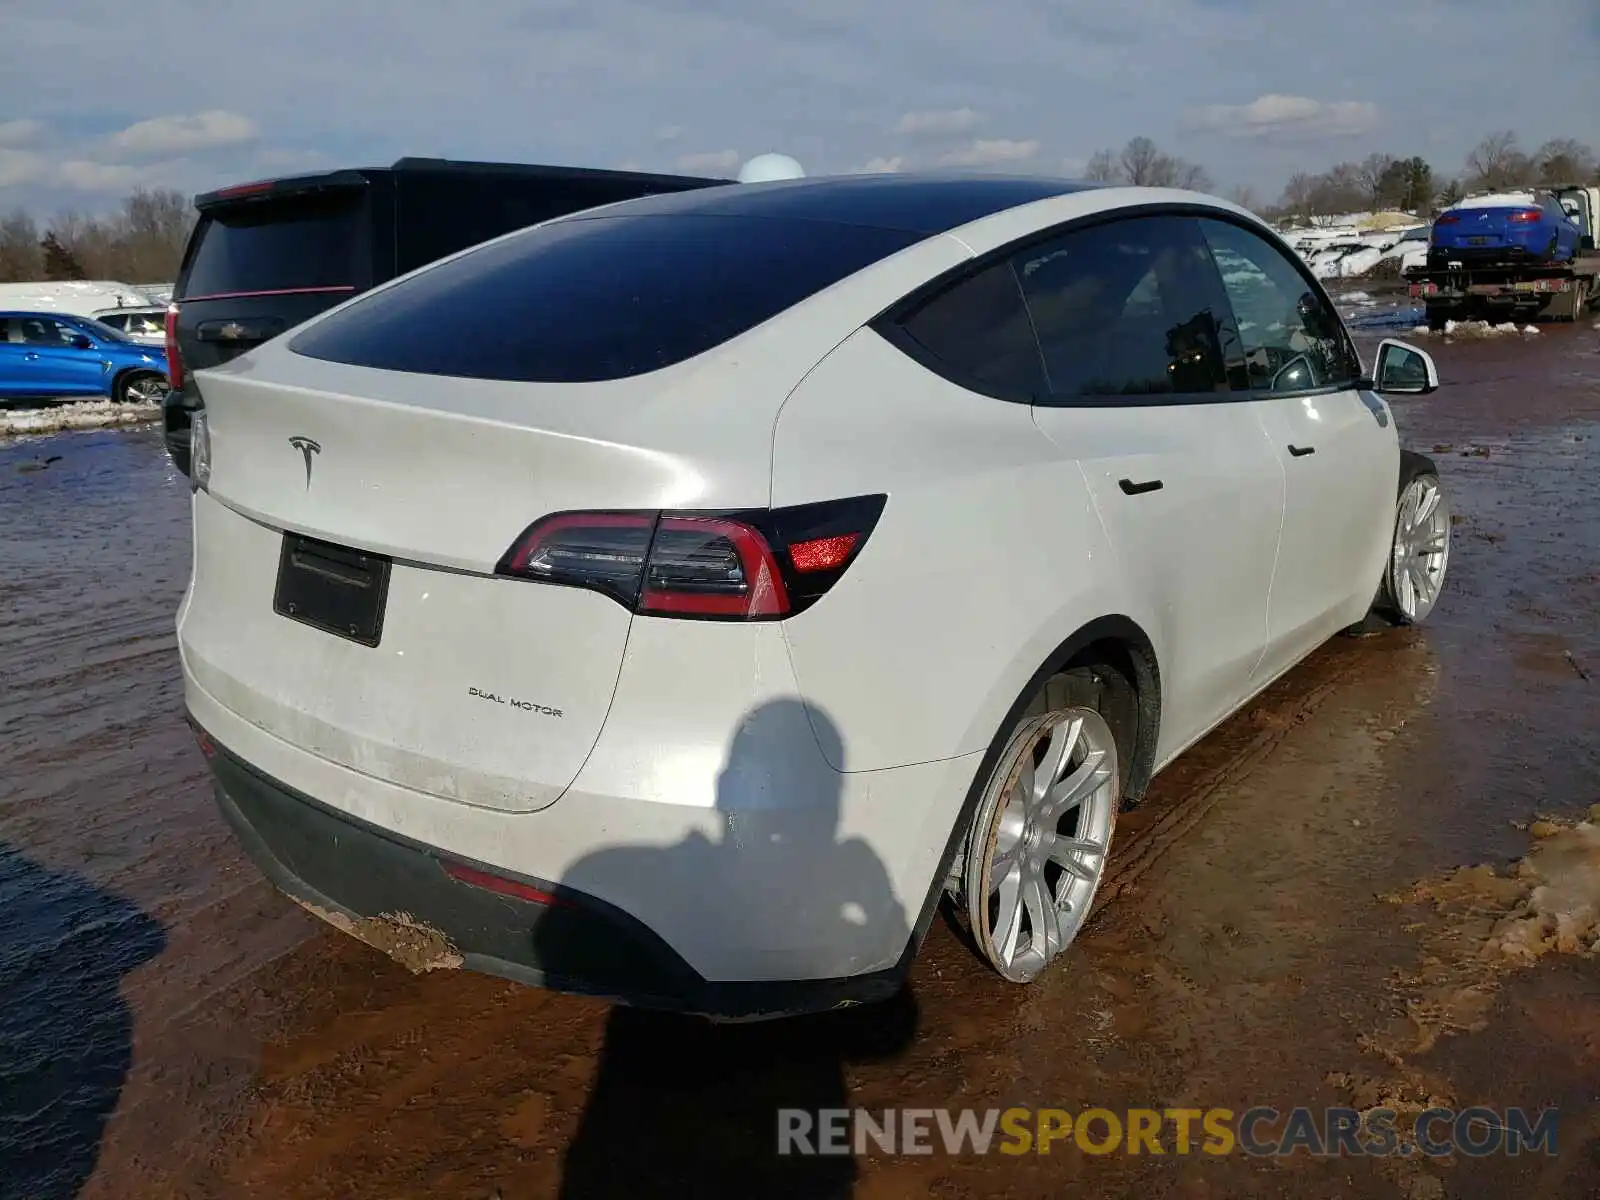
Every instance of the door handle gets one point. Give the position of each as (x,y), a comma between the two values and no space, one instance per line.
(1301,451)
(1130,488)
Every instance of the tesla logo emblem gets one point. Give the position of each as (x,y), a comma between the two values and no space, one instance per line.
(308,449)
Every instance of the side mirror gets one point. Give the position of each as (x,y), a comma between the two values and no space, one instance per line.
(1402,369)
(81,341)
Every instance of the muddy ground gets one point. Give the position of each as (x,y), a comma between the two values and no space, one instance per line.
(1284,925)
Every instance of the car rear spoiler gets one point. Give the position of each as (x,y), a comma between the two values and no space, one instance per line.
(276,189)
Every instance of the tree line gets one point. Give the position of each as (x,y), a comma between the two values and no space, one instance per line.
(1376,182)
(143,241)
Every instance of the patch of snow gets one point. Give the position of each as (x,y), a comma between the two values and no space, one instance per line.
(1359,262)
(1477,329)
(1496,200)
(86,414)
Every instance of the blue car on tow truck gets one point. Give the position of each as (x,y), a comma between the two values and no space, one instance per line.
(46,355)
(1515,227)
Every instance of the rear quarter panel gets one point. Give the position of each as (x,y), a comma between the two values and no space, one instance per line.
(989,555)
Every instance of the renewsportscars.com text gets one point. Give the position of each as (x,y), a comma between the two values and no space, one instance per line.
(1262,1131)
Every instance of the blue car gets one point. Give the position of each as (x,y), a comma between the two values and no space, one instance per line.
(1527,227)
(48,355)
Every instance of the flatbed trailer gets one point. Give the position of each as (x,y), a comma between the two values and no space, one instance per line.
(1506,291)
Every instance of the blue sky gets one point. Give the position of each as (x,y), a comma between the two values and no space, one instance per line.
(99,96)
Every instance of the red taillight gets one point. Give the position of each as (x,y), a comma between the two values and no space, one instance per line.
(740,566)
(822,554)
(245,189)
(1525,216)
(1448,219)
(174,359)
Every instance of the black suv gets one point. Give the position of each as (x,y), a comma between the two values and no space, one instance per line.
(266,256)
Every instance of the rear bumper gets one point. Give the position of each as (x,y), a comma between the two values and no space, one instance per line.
(400,895)
(176,410)
(1440,256)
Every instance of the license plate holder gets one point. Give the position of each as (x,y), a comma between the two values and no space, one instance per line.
(1480,241)
(337,589)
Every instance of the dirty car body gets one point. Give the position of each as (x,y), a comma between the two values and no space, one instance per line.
(651,604)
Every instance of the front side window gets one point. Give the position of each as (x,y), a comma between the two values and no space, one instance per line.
(1126,308)
(45,331)
(1291,336)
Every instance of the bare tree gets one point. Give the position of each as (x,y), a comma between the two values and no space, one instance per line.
(1498,162)
(20,256)
(154,227)
(141,243)
(1191,176)
(1375,175)
(1143,165)
(1245,197)
(1564,160)
(1102,167)
(1338,190)
(1298,194)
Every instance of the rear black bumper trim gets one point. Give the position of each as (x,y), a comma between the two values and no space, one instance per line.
(339,864)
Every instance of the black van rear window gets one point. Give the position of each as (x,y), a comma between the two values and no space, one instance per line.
(277,245)
(594,298)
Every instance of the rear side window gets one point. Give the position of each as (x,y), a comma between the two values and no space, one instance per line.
(596,298)
(1127,308)
(979,331)
(277,245)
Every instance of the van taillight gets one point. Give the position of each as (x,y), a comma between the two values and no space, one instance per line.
(174,359)
(758,565)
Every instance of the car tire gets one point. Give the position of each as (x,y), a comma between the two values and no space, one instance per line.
(139,387)
(1036,849)
(1419,550)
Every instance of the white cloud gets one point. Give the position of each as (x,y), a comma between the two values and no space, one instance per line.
(1275,115)
(86,175)
(20,166)
(713,160)
(669,133)
(938,122)
(986,152)
(882,166)
(182,134)
(19,132)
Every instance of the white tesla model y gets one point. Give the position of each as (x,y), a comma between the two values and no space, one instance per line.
(675,601)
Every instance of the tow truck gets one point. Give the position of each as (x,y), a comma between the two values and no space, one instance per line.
(1517,291)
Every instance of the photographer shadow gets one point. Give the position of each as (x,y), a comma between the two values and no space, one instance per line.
(684,1106)
(66,1033)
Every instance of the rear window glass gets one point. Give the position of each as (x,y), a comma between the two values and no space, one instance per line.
(276,246)
(597,298)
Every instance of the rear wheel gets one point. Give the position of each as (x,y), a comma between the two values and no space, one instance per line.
(1037,848)
(139,387)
